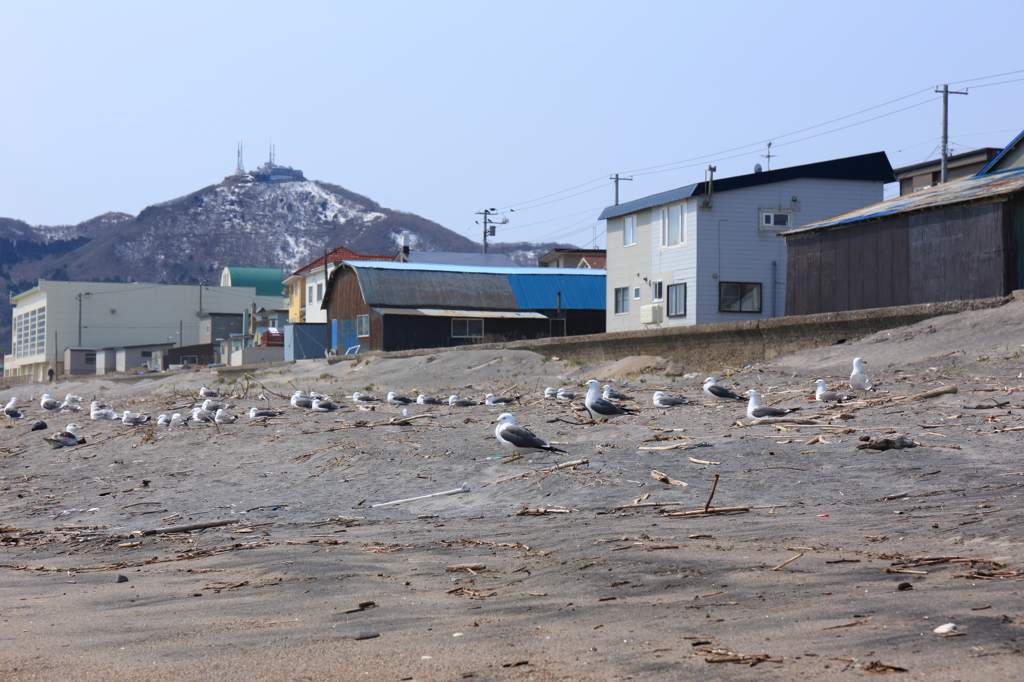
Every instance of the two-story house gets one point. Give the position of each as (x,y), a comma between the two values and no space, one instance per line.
(709,252)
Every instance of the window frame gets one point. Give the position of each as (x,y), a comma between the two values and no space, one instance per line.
(773,226)
(468,331)
(754,286)
(657,290)
(670,310)
(636,293)
(362,324)
(621,297)
(319,292)
(666,226)
(629,230)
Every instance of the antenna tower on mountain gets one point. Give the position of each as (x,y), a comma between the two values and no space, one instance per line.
(240,167)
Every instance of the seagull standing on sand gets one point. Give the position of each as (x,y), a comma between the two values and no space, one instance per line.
(133,419)
(12,411)
(64,439)
(519,438)
(396,399)
(859,381)
(826,396)
(661,399)
(599,408)
(757,411)
(712,388)
(48,403)
(456,401)
(427,400)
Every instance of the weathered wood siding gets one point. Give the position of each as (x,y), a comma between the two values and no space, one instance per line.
(959,253)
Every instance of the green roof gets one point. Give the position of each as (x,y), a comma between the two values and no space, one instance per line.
(266,281)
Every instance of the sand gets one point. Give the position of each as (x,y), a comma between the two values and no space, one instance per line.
(583,592)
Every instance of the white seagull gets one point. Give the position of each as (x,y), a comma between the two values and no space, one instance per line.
(68,406)
(256,412)
(519,438)
(456,401)
(363,398)
(205,416)
(64,439)
(599,408)
(177,420)
(214,405)
(301,400)
(826,396)
(396,399)
(491,399)
(205,392)
(222,417)
(712,388)
(859,381)
(323,405)
(12,410)
(662,399)
(757,411)
(163,420)
(133,419)
(97,411)
(565,395)
(69,398)
(427,400)
(609,394)
(48,403)
(549,392)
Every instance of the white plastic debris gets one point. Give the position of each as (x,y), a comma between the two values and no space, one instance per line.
(945,629)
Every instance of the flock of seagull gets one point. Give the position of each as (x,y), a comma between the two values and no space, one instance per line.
(602,404)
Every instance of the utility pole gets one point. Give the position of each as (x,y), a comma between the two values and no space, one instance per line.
(616,178)
(327,323)
(489,224)
(80,296)
(946,92)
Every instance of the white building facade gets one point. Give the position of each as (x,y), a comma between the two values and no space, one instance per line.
(709,252)
(55,315)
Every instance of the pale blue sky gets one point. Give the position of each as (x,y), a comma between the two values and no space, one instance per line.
(447,108)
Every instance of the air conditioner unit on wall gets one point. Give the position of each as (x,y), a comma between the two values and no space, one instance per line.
(650,314)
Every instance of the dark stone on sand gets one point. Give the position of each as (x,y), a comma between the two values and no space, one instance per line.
(904,586)
(122,579)
(39,426)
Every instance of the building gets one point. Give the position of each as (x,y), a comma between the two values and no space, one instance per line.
(708,252)
(107,316)
(921,176)
(266,281)
(398,306)
(304,288)
(573,258)
(957,241)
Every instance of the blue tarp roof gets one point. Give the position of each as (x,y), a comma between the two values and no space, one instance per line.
(420,285)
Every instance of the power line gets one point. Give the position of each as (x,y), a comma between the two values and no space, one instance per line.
(985,85)
(997,75)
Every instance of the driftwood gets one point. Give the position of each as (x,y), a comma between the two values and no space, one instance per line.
(566,465)
(788,561)
(677,446)
(934,392)
(540,512)
(185,529)
(664,478)
(703,461)
(713,510)
(784,420)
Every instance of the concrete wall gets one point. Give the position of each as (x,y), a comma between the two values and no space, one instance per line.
(254,355)
(709,346)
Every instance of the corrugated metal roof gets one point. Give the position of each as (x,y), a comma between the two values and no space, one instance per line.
(489,260)
(436,312)
(867,167)
(409,285)
(975,188)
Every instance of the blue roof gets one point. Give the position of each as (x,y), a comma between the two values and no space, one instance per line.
(866,167)
(424,285)
(1001,154)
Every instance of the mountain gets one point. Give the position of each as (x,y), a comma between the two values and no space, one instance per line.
(240,221)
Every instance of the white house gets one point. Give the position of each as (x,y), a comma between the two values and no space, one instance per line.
(709,252)
(55,315)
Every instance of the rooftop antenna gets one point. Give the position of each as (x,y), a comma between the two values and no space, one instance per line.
(769,156)
(240,168)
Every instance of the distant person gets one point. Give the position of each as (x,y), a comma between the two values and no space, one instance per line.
(50,373)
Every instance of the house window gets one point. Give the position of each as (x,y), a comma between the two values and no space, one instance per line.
(30,333)
(774,221)
(676,300)
(657,290)
(673,225)
(739,297)
(309,299)
(191,360)
(629,230)
(207,329)
(362,325)
(467,329)
(636,293)
(622,301)
(319,292)
(90,358)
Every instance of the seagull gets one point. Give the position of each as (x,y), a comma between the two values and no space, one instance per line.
(222,417)
(549,392)
(609,394)
(98,405)
(65,438)
(177,420)
(661,399)
(130,419)
(519,438)
(48,403)
(363,398)
(96,411)
(163,420)
(12,410)
(205,416)
(396,399)
(858,380)
(426,400)
(599,408)
(68,406)
(456,401)
(491,399)
(69,398)
(299,399)
(213,405)
(324,405)
(829,396)
(256,412)
(712,388)
(757,411)
(205,392)
(565,395)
